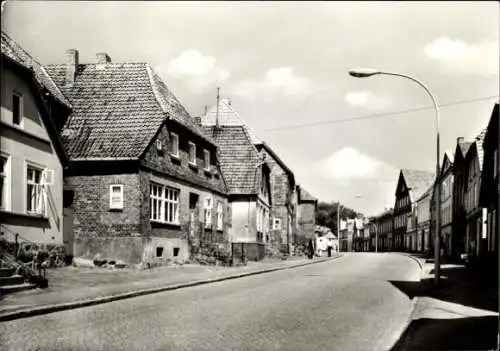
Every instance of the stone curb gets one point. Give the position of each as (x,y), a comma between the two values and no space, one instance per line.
(414,301)
(35,311)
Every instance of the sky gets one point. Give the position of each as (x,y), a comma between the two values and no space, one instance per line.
(284,65)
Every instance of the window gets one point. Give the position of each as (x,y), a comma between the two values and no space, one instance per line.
(164,204)
(35,197)
(206,158)
(174,144)
(494,229)
(17,109)
(4,182)
(116,197)
(208,212)
(192,153)
(277,224)
(159,251)
(176,251)
(495,164)
(220,222)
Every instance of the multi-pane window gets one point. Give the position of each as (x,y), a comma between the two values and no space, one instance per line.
(174,144)
(206,158)
(208,211)
(17,109)
(116,196)
(35,197)
(192,153)
(164,204)
(277,224)
(3,182)
(220,223)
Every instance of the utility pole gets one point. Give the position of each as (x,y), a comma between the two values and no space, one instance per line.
(338,223)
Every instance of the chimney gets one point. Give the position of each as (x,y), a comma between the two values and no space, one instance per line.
(460,140)
(102,57)
(71,66)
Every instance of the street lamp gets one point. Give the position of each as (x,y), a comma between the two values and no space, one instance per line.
(363,73)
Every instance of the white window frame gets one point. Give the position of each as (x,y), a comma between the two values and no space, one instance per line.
(206,159)
(220,216)
(166,199)
(193,146)
(207,211)
(40,201)
(174,144)
(21,109)
(116,204)
(5,178)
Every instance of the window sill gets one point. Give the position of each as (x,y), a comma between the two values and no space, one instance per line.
(160,224)
(209,229)
(175,158)
(193,166)
(36,215)
(207,172)
(112,209)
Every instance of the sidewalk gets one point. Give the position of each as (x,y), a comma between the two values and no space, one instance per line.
(72,287)
(460,314)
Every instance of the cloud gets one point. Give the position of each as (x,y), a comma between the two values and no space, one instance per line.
(276,82)
(459,57)
(198,71)
(366,99)
(349,163)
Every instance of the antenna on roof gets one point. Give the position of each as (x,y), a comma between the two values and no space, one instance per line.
(217,114)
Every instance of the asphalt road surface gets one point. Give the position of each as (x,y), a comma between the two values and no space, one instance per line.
(345,304)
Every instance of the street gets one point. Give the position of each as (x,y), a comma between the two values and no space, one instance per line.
(344,304)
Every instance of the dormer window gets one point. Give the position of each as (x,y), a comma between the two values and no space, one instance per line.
(174,144)
(192,153)
(17,109)
(206,158)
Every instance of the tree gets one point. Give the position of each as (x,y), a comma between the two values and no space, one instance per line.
(326,215)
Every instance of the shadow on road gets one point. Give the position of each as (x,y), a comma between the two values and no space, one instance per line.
(473,333)
(476,288)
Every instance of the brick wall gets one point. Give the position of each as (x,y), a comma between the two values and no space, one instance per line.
(306,220)
(91,212)
(280,193)
(179,168)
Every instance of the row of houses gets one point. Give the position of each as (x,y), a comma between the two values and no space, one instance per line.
(469,204)
(102,159)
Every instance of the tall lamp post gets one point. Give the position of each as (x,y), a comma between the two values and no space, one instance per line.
(363,73)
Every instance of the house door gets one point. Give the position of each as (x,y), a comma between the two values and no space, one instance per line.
(193,218)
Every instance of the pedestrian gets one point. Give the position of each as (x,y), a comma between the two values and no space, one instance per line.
(310,249)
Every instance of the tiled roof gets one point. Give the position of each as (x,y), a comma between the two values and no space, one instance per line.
(117,109)
(418,181)
(428,192)
(238,158)
(228,117)
(305,196)
(11,49)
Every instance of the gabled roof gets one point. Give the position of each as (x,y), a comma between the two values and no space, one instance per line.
(417,181)
(464,147)
(117,110)
(15,52)
(238,158)
(447,162)
(479,147)
(304,196)
(36,91)
(227,116)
